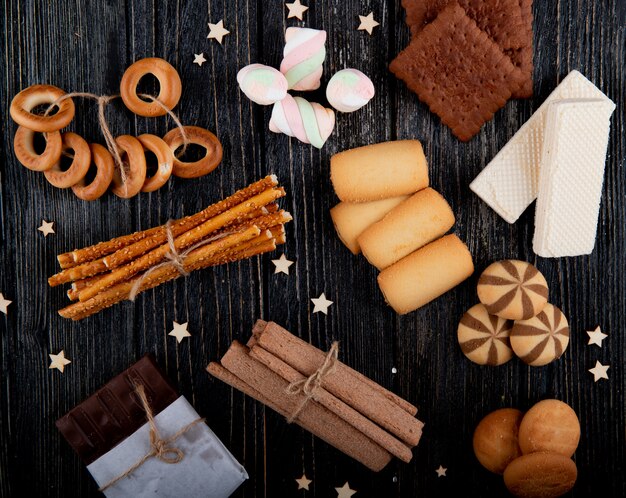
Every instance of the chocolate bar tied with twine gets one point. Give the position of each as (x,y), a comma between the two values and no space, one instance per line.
(324,396)
(139,438)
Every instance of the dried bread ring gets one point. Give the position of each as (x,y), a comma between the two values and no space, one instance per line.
(169,82)
(24,148)
(80,162)
(165,161)
(105,165)
(25,101)
(136,171)
(198,136)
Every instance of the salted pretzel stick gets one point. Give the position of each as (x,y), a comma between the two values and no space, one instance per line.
(201,257)
(247,252)
(103,248)
(182,241)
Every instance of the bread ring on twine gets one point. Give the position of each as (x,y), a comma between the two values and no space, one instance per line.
(169,82)
(80,162)
(199,136)
(165,161)
(136,171)
(25,101)
(25,150)
(105,165)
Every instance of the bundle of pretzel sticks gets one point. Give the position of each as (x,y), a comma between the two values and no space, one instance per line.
(246,224)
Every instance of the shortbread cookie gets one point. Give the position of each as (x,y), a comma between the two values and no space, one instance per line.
(455,68)
(542,338)
(540,475)
(379,171)
(351,219)
(495,439)
(484,338)
(426,274)
(513,289)
(551,426)
(422,218)
(571,177)
(509,183)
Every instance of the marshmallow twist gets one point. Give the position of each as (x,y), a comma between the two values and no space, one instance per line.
(349,90)
(303,57)
(309,122)
(262,84)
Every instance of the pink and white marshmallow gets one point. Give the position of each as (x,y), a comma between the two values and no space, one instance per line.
(303,57)
(262,84)
(349,90)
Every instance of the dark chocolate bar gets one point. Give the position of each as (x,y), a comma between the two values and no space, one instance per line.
(114,412)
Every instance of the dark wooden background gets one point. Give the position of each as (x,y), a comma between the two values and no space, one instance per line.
(85,46)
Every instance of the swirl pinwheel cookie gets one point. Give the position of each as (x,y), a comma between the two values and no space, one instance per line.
(484,338)
(542,338)
(303,57)
(513,289)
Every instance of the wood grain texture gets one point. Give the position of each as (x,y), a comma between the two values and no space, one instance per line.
(86,48)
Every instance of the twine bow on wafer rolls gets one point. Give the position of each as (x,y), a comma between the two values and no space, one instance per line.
(246,224)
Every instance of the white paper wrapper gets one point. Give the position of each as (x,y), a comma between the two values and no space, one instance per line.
(207,470)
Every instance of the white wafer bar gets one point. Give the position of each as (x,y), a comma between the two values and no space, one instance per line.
(509,183)
(571,176)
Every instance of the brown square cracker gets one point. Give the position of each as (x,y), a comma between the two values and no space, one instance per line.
(502,20)
(455,68)
(523,56)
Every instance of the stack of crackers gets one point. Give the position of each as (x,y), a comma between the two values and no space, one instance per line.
(467,58)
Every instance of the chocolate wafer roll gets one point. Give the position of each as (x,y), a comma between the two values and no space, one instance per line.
(484,338)
(542,338)
(513,289)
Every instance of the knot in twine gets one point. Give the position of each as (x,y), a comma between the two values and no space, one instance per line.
(309,385)
(173,257)
(159,448)
(103,101)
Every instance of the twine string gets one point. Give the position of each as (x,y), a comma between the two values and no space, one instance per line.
(173,258)
(309,385)
(159,448)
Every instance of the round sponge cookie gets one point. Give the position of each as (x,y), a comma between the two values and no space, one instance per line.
(540,475)
(495,439)
(513,289)
(552,426)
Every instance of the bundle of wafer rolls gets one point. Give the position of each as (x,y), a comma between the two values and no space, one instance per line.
(390,214)
(346,409)
(246,224)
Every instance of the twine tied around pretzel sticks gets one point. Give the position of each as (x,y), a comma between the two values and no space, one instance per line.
(103,101)
(173,258)
(308,386)
(159,448)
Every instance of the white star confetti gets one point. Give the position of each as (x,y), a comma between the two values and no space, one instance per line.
(4,304)
(180,331)
(59,361)
(303,482)
(199,59)
(296,9)
(321,304)
(596,337)
(46,227)
(367,23)
(282,265)
(217,31)
(599,371)
(441,471)
(345,491)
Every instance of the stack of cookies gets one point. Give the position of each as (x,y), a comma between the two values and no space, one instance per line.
(533,451)
(513,317)
(467,58)
(390,214)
